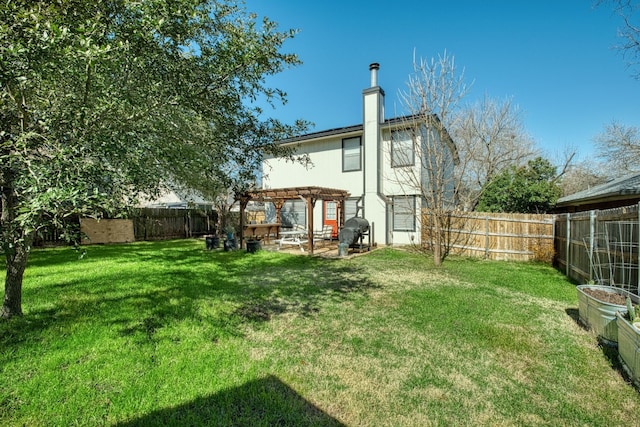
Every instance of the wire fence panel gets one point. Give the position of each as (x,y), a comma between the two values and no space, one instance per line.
(599,246)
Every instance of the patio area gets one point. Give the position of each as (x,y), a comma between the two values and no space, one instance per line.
(284,238)
(328,249)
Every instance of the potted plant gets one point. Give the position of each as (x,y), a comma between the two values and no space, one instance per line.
(229,231)
(629,340)
(253,244)
(230,241)
(211,241)
(597,308)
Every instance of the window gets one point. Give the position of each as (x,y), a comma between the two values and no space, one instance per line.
(331,211)
(294,212)
(351,154)
(402,153)
(352,208)
(404,217)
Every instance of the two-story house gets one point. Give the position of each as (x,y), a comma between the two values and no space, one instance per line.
(363,160)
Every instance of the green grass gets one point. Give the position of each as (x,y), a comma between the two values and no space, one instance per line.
(168,333)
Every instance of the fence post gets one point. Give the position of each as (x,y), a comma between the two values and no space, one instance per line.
(568,243)
(486,236)
(592,235)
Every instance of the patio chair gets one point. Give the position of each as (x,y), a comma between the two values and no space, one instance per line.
(323,235)
(297,239)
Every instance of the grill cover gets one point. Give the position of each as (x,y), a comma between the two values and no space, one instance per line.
(360,224)
(352,230)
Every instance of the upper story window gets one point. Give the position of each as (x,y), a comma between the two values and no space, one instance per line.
(351,154)
(402,151)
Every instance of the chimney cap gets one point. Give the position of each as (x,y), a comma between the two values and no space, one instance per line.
(374,66)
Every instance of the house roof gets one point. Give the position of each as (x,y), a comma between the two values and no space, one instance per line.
(355,129)
(344,130)
(625,187)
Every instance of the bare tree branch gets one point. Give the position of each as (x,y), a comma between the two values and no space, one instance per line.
(491,137)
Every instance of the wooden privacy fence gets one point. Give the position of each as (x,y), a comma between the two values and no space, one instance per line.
(147,224)
(600,246)
(106,231)
(520,237)
(158,223)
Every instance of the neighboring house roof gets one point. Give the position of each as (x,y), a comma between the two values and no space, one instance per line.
(175,198)
(626,188)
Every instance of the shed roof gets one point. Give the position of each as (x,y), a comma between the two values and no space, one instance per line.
(620,188)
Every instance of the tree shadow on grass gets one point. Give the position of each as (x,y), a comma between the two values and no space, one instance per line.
(161,283)
(263,402)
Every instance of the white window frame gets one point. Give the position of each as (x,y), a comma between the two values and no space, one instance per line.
(403,151)
(352,207)
(351,148)
(404,213)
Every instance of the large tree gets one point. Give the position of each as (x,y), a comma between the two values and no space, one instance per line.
(103,100)
(527,189)
(432,99)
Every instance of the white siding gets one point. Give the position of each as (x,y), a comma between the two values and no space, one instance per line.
(400,180)
(325,170)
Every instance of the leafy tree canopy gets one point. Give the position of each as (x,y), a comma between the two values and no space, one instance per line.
(104,100)
(527,189)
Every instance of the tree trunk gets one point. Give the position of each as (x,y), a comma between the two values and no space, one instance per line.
(437,247)
(15,243)
(16,264)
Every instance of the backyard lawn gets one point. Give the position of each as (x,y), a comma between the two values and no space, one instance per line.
(167,333)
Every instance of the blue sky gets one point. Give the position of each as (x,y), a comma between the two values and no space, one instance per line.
(556,60)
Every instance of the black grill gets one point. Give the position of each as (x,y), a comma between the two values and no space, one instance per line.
(354,231)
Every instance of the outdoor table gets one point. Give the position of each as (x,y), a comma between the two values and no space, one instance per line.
(293,237)
(253,230)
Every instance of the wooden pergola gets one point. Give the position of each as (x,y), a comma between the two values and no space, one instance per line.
(278,196)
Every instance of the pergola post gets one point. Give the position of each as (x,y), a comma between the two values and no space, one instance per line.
(311,203)
(278,204)
(244,200)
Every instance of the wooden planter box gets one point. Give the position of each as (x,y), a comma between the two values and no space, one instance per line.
(629,348)
(600,316)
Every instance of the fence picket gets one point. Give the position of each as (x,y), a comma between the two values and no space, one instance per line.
(496,236)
